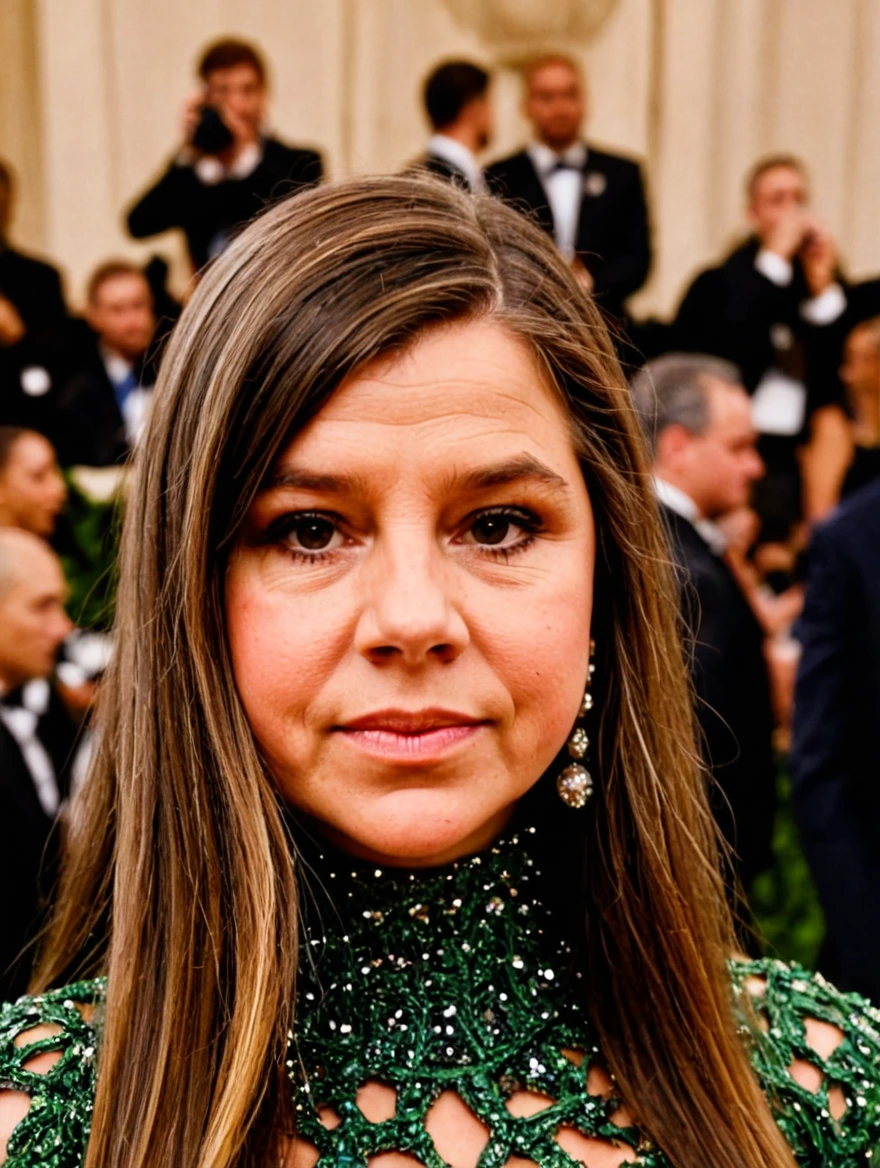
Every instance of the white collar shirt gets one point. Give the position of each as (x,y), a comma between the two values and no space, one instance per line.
(458,155)
(562,176)
(682,504)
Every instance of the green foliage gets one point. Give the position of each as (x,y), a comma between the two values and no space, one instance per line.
(783,899)
(87,542)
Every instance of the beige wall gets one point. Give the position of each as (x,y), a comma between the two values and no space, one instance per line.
(91,90)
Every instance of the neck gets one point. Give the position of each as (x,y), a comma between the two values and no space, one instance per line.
(671,480)
(463,134)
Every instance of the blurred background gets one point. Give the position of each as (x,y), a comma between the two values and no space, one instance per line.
(91,90)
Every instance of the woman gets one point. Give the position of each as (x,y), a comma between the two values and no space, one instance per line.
(32,490)
(392,487)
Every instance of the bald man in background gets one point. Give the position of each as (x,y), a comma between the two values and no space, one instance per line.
(37,739)
(591,201)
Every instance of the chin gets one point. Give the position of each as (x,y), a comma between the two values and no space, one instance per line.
(415,828)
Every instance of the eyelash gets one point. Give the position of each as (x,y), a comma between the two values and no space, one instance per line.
(527,520)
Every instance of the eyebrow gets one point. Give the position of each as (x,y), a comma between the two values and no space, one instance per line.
(520,467)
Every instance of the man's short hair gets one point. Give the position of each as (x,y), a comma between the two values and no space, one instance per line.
(540,61)
(107,271)
(671,391)
(9,436)
(226,54)
(772,162)
(449,88)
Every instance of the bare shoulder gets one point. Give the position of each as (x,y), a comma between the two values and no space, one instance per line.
(48,1058)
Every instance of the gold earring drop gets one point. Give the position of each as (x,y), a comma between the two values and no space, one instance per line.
(575,783)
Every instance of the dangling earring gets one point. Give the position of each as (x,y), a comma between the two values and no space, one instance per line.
(575,783)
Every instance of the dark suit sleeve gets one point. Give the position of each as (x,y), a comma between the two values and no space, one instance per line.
(728,312)
(166,204)
(624,268)
(844,866)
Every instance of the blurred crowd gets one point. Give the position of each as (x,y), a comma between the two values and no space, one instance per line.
(760,401)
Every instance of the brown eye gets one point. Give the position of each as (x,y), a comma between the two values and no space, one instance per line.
(505,530)
(491,529)
(312,533)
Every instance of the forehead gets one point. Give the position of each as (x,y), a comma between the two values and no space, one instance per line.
(31,449)
(863,339)
(553,75)
(778,180)
(234,75)
(37,572)
(729,405)
(461,392)
(122,286)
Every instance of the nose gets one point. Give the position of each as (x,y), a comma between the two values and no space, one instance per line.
(410,614)
(756,465)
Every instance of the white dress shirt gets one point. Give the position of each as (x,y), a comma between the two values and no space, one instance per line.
(21,722)
(458,155)
(682,504)
(136,405)
(779,403)
(564,187)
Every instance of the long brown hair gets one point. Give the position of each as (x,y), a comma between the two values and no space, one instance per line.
(181,887)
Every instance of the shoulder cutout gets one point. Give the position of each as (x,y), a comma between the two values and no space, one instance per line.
(48,1055)
(817,1054)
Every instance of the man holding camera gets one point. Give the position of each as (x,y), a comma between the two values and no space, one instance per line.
(774,308)
(227,169)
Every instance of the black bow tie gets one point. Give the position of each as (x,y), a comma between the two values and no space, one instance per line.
(563,164)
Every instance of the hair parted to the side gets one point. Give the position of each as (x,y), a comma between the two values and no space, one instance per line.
(181,885)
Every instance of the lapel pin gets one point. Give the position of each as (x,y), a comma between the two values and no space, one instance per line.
(595,182)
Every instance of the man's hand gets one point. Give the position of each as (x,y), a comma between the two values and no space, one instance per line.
(818,255)
(189,119)
(12,327)
(787,234)
(582,274)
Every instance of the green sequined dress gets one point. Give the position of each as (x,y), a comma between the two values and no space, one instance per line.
(459,979)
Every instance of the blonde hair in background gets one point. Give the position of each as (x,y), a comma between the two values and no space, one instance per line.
(182,882)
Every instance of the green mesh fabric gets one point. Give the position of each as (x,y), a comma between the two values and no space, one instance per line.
(458,979)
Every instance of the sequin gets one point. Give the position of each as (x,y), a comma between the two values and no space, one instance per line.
(470,998)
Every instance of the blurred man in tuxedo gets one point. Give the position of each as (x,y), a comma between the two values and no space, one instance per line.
(698,421)
(34,324)
(459,109)
(226,168)
(592,202)
(36,741)
(772,307)
(101,411)
(835,757)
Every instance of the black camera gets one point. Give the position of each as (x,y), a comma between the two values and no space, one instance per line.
(212,135)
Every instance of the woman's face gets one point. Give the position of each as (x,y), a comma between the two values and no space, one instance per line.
(408,608)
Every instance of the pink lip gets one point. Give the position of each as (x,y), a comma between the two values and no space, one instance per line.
(410,736)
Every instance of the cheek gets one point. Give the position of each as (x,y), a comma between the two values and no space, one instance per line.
(281,655)
(541,650)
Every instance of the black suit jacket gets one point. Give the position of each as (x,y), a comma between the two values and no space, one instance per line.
(733,311)
(613,236)
(442,168)
(209,215)
(34,288)
(29,847)
(725,648)
(88,427)
(835,756)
